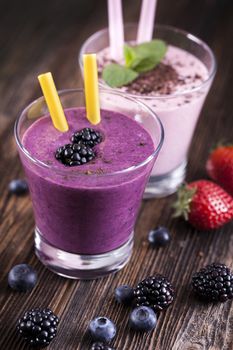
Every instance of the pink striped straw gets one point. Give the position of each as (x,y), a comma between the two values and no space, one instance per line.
(116,29)
(146,21)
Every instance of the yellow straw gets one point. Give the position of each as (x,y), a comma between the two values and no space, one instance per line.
(91,88)
(53,102)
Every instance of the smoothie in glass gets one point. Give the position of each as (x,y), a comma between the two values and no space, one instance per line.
(85,214)
(176,90)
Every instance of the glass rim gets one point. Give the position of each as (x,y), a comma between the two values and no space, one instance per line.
(186,34)
(64,172)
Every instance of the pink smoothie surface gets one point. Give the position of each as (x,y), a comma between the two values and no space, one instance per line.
(178,108)
(88,209)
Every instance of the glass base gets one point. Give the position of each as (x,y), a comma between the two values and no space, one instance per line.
(164,185)
(78,266)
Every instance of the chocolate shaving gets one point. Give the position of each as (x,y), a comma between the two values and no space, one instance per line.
(162,79)
(99,171)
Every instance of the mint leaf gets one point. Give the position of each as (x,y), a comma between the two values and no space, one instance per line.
(116,75)
(138,59)
(146,56)
(145,64)
(129,55)
(154,47)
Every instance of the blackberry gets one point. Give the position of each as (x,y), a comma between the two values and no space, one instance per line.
(87,136)
(213,283)
(100,346)
(155,292)
(74,154)
(38,327)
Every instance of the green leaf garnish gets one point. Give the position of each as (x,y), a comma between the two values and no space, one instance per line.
(116,75)
(146,56)
(129,55)
(138,59)
(145,64)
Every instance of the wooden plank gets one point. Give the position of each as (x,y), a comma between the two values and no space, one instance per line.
(38,38)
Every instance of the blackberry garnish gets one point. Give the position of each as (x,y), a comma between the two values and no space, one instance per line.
(38,327)
(74,154)
(87,136)
(213,283)
(155,292)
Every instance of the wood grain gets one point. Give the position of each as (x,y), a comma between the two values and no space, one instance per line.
(41,36)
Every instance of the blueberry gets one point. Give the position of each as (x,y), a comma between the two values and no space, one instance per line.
(18,187)
(159,237)
(124,294)
(102,329)
(22,278)
(143,319)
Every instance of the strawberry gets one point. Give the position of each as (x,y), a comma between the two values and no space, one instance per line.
(219,166)
(204,204)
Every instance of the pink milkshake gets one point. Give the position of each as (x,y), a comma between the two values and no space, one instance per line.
(176,90)
(178,71)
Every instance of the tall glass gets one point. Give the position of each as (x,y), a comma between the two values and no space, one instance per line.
(178,111)
(85,222)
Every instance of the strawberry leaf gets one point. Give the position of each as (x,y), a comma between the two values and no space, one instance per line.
(184,198)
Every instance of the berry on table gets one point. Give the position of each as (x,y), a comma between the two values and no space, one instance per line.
(143,319)
(87,136)
(18,187)
(102,329)
(100,346)
(74,154)
(219,166)
(159,237)
(124,294)
(213,283)
(38,327)
(155,292)
(22,278)
(204,204)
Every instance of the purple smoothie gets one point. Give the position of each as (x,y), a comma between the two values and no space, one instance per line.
(92,208)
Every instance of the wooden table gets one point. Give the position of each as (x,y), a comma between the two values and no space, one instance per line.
(42,36)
